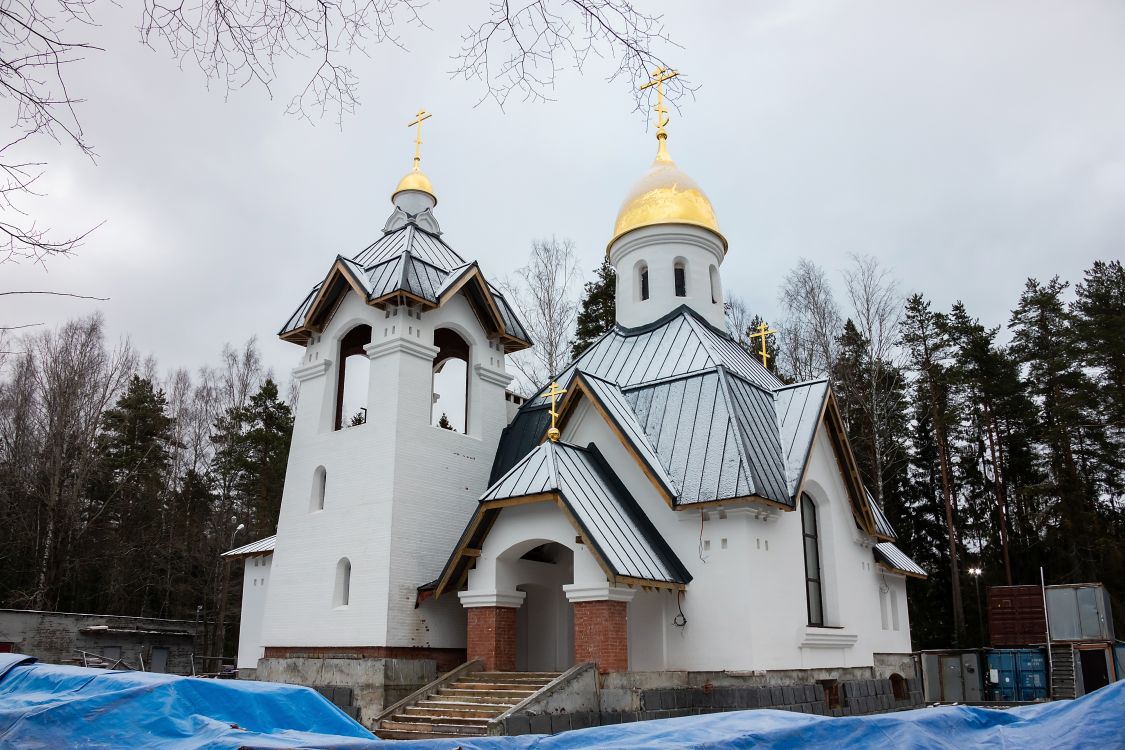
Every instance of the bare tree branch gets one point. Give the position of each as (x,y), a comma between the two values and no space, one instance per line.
(57,294)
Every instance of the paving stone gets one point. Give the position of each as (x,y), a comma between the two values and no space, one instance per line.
(580,721)
(560,722)
(540,723)
(777,696)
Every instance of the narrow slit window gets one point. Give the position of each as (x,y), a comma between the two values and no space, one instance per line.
(644,283)
(320,480)
(681,279)
(342,594)
(813,583)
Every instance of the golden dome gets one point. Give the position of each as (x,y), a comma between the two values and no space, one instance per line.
(415,180)
(665,195)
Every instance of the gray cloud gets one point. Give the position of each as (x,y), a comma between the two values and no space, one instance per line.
(968,145)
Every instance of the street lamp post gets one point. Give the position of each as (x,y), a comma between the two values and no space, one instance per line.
(222,630)
(975,573)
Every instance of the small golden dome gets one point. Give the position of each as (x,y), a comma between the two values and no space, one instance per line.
(415,180)
(665,195)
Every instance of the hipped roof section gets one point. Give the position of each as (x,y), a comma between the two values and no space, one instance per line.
(408,265)
(895,560)
(722,428)
(607,518)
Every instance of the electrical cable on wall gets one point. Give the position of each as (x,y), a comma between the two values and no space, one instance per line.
(680,620)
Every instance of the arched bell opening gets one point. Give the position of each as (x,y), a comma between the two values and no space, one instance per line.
(353,378)
(450,405)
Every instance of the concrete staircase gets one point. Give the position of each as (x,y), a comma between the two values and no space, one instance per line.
(462,707)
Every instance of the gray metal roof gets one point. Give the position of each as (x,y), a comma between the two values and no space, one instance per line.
(413,261)
(897,560)
(882,525)
(260,547)
(798,410)
(610,518)
(619,409)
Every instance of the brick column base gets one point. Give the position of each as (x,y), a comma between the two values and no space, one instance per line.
(601,635)
(492,637)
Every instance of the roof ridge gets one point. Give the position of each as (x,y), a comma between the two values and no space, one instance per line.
(802,384)
(740,444)
(692,321)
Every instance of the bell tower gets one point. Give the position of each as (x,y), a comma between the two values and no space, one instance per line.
(376,492)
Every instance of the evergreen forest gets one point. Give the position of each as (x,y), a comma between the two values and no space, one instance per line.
(991,445)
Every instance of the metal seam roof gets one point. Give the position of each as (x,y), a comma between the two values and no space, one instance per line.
(897,559)
(260,547)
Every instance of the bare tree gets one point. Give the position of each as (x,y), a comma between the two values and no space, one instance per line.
(812,322)
(737,315)
(517,48)
(878,306)
(545,291)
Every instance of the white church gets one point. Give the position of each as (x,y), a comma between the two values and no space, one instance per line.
(668,505)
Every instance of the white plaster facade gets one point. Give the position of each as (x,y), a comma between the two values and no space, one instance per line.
(255,583)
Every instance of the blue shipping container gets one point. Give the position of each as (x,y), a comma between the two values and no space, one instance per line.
(1017,674)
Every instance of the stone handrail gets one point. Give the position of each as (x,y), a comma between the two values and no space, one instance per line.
(541,699)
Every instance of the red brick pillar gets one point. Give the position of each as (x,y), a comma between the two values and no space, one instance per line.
(492,637)
(601,634)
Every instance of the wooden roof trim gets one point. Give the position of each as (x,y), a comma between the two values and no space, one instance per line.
(473,272)
(726,501)
(339,268)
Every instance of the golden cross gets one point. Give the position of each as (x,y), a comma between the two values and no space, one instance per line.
(763,331)
(659,76)
(553,394)
(422,115)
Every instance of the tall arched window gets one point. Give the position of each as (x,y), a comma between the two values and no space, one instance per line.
(680,274)
(450,382)
(320,479)
(342,593)
(716,292)
(642,280)
(813,584)
(353,378)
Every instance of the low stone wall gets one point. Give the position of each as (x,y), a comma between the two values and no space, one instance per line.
(361,686)
(851,698)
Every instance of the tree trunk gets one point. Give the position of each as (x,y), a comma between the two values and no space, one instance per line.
(951,529)
(1001,489)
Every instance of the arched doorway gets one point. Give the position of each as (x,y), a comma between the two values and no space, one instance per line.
(545,620)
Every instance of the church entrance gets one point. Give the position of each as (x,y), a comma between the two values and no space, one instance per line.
(545,620)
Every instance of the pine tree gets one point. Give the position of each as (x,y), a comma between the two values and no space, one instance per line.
(923,333)
(1098,316)
(598,311)
(444,423)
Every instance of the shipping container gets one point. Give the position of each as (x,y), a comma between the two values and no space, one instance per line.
(1016,616)
(952,676)
(1079,612)
(1016,674)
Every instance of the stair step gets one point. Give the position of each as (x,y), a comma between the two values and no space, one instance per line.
(463,705)
(476,712)
(516,675)
(469,696)
(459,730)
(402,734)
(521,686)
(418,718)
(519,694)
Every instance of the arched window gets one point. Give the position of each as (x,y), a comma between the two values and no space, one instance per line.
(813,584)
(342,593)
(320,478)
(716,291)
(450,408)
(680,273)
(353,378)
(642,281)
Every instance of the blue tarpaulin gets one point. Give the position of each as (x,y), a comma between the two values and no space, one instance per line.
(47,706)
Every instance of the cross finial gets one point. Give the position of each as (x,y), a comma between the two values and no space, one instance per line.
(763,330)
(553,394)
(659,76)
(422,115)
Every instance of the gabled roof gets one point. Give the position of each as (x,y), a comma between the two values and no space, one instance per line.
(253,549)
(883,526)
(891,557)
(612,404)
(603,513)
(408,264)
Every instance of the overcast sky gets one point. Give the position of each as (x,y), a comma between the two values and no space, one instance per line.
(968,145)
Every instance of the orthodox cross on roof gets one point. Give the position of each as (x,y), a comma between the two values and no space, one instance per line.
(763,331)
(553,394)
(659,76)
(422,115)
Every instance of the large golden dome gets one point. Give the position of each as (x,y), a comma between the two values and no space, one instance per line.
(665,195)
(415,180)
